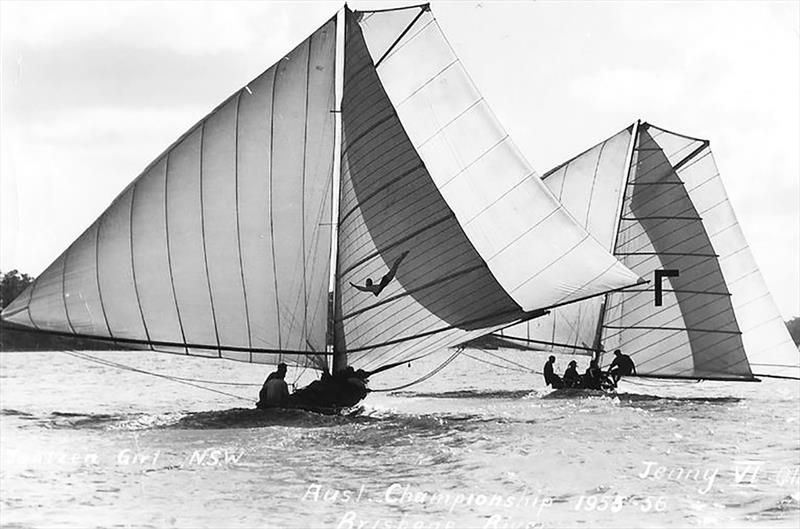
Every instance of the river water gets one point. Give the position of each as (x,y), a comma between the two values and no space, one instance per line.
(85,445)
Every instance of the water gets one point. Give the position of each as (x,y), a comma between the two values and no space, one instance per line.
(475,446)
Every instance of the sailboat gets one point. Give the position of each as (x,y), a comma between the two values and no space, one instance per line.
(402,195)
(655,198)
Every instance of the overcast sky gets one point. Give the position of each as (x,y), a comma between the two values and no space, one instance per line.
(92,92)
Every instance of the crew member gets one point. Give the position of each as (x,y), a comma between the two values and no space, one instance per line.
(571,376)
(621,365)
(550,378)
(274,392)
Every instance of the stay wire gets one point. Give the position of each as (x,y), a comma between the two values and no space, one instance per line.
(511,362)
(501,366)
(423,378)
(218,382)
(89,358)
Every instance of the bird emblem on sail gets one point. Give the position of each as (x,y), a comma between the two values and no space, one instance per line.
(376,289)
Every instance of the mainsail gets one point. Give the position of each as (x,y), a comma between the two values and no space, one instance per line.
(222,246)
(219,247)
(669,211)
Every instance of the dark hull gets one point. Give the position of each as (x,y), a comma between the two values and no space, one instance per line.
(335,397)
(322,410)
(577,393)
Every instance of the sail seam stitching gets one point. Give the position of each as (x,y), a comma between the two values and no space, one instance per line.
(64,288)
(238,222)
(169,250)
(97,273)
(133,264)
(203,238)
(303,194)
(271,214)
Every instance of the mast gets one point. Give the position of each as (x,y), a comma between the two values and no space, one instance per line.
(338,351)
(598,337)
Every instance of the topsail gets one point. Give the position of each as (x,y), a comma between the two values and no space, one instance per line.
(222,246)
(663,207)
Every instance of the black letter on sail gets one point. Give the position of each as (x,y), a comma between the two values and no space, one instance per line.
(659,274)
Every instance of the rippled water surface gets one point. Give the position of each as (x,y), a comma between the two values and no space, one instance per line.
(85,444)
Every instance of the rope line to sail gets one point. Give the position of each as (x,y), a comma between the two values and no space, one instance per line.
(488,362)
(424,377)
(509,361)
(90,358)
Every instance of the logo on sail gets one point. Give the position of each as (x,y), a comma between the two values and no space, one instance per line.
(376,289)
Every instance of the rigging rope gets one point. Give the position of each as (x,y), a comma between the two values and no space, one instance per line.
(179,380)
(494,364)
(495,355)
(423,378)
(187,379)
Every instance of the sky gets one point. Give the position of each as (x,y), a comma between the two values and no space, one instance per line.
(91,92)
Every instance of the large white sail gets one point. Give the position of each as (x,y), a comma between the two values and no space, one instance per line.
(532,246)
(717,318)
(590,186)
(221,246)
(427,170)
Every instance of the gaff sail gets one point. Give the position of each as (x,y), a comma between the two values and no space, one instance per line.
(717,319)
(222,246)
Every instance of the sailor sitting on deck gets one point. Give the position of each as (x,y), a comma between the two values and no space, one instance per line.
(571,377)
(593,376)
(550,378)
(621,365)
(274,392)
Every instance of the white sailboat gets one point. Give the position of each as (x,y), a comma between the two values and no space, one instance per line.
(656,199)
(222,247)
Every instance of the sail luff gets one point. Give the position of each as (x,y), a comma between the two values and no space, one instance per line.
(626,172)
(339,346)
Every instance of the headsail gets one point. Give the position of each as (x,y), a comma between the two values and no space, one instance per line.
(717,320)
(590,186)
(219,247)
(428,170)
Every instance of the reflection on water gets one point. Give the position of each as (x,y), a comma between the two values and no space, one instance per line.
(103,447)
